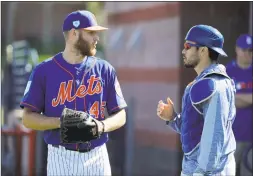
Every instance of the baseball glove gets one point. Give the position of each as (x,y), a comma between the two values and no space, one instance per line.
(78,127)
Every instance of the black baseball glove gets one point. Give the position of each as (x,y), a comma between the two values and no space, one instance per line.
(78,127)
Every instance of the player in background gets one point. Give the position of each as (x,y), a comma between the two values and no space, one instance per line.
(75,78)
(240,70)
(208,108)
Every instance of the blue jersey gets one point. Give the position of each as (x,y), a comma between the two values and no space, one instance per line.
(242,126)
(91,86)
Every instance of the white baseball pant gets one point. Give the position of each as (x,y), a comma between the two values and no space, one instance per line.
(65,162)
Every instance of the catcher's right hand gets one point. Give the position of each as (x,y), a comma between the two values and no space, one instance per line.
(79,127)
(166,111)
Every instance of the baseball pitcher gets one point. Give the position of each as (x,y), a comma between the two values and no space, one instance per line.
(68,97)
(208,108)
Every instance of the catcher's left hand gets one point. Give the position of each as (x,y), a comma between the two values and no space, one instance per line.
(79,127)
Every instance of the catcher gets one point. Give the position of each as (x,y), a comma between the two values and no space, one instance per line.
(208,108)
(69,96)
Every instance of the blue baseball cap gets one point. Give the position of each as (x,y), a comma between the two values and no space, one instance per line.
(81,19)
(244,41)
(207,36)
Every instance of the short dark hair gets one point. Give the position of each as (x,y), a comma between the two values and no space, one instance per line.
(213,55)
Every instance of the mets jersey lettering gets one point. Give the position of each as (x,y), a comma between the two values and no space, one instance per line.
(243,85)
(94,89)
(64,93)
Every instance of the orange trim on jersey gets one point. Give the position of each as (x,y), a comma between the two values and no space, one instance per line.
(118,107)
(29,105)
(70,75)
(63,68)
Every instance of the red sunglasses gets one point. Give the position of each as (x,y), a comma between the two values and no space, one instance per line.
(189,45)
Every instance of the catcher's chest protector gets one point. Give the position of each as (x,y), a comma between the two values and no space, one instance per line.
(190,136)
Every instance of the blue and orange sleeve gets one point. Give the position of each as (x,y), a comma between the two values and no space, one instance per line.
(115,99)
(34,93)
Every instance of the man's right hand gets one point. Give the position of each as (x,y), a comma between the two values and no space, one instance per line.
(166,111)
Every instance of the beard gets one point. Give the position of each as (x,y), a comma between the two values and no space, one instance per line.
(191,63)
(84,48)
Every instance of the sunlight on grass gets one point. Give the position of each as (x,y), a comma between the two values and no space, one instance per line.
(44,57)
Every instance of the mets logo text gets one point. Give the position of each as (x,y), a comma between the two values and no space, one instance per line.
(64,92)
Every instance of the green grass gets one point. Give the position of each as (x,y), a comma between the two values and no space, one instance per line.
(44,57)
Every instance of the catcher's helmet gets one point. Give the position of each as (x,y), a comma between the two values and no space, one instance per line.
(207,36)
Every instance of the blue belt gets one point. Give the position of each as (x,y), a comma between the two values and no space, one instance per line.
(76,150)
